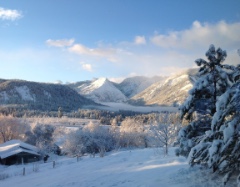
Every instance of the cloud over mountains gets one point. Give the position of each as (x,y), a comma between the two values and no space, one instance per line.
(161,53)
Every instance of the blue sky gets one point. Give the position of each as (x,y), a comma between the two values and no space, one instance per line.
(75,40)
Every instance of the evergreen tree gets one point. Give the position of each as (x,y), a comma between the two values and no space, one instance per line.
(213,82)
(220,146)
(60,113)
(200,106)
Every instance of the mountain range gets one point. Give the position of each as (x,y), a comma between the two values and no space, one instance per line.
(139,90)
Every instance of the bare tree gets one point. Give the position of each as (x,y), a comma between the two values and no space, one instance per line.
(164,129)
(11,128)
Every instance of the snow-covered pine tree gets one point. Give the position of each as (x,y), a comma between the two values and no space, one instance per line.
(213,82)
(200,105)
(219,149)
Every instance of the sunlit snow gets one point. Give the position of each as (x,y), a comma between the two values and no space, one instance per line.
(123,168)
(25,93)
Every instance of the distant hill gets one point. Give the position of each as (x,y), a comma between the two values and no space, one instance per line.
(171,92)
(99,90)
(40,96)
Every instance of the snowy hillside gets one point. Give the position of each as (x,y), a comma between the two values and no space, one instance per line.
(134,85)
(172,92)
(40,96)
(101,90)
(129,168)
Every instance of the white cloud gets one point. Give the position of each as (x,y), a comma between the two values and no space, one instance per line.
(108,53)
(171,52)
(117,79)
(140,40)
(201,35)
(60,43)
(8,14)
(87,67)
(58,82)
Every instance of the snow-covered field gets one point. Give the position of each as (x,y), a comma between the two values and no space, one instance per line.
(124,106)
(124,168)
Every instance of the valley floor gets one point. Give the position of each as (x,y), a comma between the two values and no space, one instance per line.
(143,109)
(124,168)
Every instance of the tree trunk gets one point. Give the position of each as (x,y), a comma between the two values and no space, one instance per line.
(214,92)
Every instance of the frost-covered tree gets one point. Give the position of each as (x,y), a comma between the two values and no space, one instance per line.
(214,79)
(92,139)
(164,130)
(133,134)
(220,147)
(41,136)
(11,128)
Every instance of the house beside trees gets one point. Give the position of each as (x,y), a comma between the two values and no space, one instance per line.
(18,152)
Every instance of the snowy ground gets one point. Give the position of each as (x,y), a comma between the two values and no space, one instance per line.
(124,106)
(126,168)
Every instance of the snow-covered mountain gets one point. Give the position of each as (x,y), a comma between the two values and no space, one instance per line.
(140,90)
(40,96)
(100,90)
(171,92)
(134,85)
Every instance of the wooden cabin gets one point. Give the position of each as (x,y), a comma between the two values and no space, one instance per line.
(18,152)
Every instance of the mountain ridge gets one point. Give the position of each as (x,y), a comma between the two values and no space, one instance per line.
(134,85)
(40,96)
(171,92)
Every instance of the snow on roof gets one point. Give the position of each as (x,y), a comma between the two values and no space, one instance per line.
(13,147)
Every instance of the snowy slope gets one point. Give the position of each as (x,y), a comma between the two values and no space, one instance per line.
(40,96)
(171,92)
(129,168)
(101,90)
(134,85)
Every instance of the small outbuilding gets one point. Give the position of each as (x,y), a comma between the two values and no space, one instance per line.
(18,152)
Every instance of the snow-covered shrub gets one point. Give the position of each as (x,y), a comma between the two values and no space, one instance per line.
(4,176)
(92,138)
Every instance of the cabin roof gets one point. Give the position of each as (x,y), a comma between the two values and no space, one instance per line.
(14,147)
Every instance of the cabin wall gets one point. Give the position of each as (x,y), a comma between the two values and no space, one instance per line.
(19,159)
